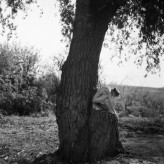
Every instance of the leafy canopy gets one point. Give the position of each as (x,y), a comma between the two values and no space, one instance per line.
(8,12)
(147,17)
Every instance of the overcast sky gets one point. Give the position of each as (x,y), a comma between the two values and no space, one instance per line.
(44,32)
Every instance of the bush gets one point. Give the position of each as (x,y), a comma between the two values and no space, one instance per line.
(49,82)
(18,94)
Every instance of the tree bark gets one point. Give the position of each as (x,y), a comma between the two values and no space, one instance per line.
(85,134)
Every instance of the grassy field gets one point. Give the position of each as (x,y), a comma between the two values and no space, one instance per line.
(31,137)
(27,137)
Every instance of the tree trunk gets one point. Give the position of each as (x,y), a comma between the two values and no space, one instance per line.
(85,134)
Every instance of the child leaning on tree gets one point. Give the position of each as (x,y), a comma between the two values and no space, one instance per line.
(102,100)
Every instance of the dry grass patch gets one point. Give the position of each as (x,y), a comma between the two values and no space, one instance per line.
(27,137)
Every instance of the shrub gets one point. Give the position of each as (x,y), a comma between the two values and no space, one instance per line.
(18,95)
(47,86)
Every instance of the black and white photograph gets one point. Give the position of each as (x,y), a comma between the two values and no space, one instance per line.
(81,81)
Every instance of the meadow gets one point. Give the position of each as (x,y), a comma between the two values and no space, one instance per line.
(24,139)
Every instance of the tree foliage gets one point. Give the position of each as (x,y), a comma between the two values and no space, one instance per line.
(146,17)
(18,91)
(67,13)
(49,82)
(8,11)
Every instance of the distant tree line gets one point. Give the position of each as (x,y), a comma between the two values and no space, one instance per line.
(140,101)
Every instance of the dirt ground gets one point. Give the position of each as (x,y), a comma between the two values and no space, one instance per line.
(30,137)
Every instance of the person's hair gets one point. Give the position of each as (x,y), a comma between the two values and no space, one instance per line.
(115,92)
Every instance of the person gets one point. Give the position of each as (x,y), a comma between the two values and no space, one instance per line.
(102,100)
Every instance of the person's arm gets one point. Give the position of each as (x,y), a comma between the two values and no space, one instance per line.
(99,98)
(103,89)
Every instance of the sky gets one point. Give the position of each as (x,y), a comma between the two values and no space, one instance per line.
(44,33)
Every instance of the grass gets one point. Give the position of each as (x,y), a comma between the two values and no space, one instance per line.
(142,125)
(31,137)
(27,137)
(143,120)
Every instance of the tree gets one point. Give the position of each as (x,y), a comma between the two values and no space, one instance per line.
(85,134)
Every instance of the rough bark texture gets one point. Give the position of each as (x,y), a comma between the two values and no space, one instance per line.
(85,134)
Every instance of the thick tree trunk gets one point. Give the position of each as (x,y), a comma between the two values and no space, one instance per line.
(85,134)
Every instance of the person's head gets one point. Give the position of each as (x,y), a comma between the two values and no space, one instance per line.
(115,92)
